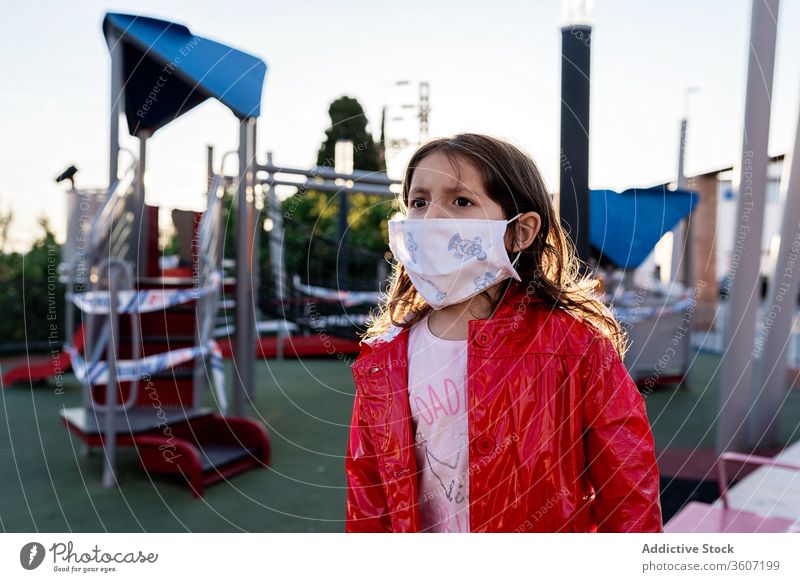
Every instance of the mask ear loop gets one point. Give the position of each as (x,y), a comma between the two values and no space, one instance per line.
(519,253)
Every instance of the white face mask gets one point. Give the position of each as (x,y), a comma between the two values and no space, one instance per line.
(450,260)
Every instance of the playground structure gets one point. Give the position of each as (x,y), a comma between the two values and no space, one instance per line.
(146,346)
(144,350)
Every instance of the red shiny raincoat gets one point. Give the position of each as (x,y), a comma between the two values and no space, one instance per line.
(558,432)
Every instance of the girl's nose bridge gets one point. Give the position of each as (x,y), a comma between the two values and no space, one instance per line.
(435,210)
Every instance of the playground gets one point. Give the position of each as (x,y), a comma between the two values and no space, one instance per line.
(197,374)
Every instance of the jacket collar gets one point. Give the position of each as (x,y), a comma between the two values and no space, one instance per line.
(511,308)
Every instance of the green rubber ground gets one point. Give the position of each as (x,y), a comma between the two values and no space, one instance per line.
(47,487)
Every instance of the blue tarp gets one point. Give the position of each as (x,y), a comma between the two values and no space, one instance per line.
(625,227)
(168,71)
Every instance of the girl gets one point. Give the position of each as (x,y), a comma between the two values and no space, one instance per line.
(490,390)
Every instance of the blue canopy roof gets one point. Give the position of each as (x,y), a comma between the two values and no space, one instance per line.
(624,228)
(167,71)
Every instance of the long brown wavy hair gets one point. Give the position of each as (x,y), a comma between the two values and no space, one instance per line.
(549,266)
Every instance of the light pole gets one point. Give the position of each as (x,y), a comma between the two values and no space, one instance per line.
(576,34)
(680,268)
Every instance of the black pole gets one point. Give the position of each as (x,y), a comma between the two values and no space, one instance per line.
(574,174)
(344,251)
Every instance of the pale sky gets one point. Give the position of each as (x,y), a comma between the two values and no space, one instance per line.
(493,67)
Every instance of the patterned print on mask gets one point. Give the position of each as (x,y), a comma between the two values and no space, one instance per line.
(482,283)
(411,246)
(466,248)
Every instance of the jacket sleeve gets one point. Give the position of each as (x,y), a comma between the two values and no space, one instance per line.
(619,446)
(366,503)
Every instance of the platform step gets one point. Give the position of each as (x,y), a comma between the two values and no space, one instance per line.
(214,456)
(137,420)
(161,339)
(206,451)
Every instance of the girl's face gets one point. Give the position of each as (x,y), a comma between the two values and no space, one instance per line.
(441,188)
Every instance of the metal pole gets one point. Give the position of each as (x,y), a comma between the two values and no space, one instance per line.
(116,105)
(360,177)
(682,268)
(682,257)
(255,228)
(328,186)
(574,172)
(344,252)
(255,255)
(683,183)
(110,437)
(142,222)
(210,164)
(679,234)
(736,388)
(276,256)
(343,165)
(243,353)
(780,315)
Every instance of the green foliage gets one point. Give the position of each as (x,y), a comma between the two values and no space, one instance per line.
(228,222)
(5,223)
(173,246)
(312,238)
(31,298)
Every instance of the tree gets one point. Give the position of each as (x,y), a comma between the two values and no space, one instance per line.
(348,121)
(31,297)
(5,223)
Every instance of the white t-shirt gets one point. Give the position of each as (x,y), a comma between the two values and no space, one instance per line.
(437,391)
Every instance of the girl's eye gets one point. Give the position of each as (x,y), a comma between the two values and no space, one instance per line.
(461,201)
(417,203)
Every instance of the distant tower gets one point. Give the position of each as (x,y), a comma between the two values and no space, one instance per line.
(424,110)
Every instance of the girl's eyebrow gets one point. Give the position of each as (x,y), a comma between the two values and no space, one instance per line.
(448,189)
(453,189)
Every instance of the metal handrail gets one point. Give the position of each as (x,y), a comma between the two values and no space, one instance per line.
(104,218)
(101,221)
(209,265)
(328,173)
(102,228)
(109,265)
(209,227)
(209,252)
